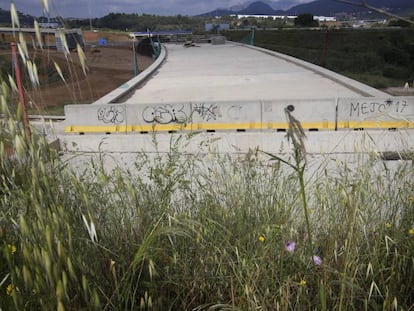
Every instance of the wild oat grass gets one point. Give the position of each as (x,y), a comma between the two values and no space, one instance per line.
(216,232)
(197,233)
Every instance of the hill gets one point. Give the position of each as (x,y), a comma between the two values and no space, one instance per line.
(276,5)
(259,8)
(318,7)
(330,7)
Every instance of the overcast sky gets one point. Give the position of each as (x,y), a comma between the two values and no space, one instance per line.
(99,8)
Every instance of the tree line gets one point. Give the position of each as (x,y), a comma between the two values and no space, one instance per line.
(137,22)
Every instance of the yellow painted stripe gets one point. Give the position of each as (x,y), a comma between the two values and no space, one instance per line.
(232,126)
(306,125)
(376,124)
(228,126)
(95,129)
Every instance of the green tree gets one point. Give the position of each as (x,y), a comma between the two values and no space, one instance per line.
(306,20)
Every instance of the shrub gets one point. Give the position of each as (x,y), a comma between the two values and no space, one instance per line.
(396,72)
(395,56)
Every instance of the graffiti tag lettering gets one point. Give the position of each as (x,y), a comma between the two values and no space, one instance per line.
(234,112)
(364,108)
(207,112)
(111,114)
(164,114)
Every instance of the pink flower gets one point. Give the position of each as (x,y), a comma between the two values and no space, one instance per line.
(317,260)
(290,247)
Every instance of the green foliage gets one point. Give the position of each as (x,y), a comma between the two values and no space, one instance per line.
(182,232)
(5,67)
(395,72)
(306,20)
(136,22)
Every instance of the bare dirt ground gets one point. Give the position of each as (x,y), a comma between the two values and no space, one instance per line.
(400,91)
(108,68)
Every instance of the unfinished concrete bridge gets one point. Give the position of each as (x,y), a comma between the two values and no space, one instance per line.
(237,94)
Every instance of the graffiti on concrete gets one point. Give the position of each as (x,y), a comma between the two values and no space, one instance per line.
(234,112)
(165,114)
(362,108)
(111,114)
(207,111)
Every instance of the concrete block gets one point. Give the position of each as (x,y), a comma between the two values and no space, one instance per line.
(393,112)
(233,115)
(315,114)
(158,117)
(95,118)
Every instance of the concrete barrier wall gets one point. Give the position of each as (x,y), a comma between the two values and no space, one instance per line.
(162,117)
(318,114)
(95,118)
(396,112)
(233,115)
(132,84)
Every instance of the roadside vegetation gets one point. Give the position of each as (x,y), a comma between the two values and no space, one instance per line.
(202,233)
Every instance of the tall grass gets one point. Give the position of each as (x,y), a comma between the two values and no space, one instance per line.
(180,232)
(201,232)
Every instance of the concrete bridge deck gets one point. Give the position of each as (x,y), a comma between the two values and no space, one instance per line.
(234,97)
(234,72)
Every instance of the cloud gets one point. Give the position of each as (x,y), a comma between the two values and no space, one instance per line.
(99,8)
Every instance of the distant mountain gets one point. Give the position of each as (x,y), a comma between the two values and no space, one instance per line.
(254,8)
(284,4)
(276,5)
(318,7)
(330,7)
(219,12)
(258,8)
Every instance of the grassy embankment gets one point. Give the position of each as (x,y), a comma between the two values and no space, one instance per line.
(378,57)
(202,233)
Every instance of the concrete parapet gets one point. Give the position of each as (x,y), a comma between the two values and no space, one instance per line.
(199,116)
(134,82)
(95,118)
(396,112)
(316,114)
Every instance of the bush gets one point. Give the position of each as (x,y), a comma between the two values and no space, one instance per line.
(395,56)
(396,72)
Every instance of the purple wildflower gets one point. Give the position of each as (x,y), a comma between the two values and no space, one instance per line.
(290,247)
(317,260)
